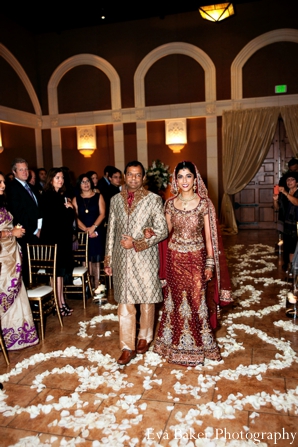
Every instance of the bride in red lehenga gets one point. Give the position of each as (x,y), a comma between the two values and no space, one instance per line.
(185,335)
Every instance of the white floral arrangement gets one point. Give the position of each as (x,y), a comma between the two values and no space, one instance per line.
(159,175)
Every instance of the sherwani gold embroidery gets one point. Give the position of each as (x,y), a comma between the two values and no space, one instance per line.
(135,271)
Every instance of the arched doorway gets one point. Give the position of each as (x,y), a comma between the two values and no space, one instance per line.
(254,204)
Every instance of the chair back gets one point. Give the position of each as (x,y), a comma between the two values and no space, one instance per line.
(42,265)
(80,253)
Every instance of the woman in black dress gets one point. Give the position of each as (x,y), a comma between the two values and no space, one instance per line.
(287,204)
(90,211)
(57,228)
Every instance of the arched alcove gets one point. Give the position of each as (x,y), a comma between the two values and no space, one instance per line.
(84,88)
(174,79)
(175,48)
(268,67)
(9,57)
(279,35)
(84,59)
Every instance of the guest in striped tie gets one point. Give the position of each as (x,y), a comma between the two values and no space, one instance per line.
(23,205)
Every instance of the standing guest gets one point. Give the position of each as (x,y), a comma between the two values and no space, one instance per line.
(281,207)
(107,190)
(31,178)
(57,228)
(68,184)
(24,206)
(133,260)
(286,202)
(292,167)
(94,177)
(185,336)
(90,211)
(16,318)
(9,177)
(115,179)
(33,184)
(104,183)
(41,175)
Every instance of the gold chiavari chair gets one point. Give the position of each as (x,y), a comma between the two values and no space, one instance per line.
(3,347)
(81,270)
(2,344)
(42,292)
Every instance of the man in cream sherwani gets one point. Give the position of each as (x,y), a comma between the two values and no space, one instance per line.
(133,260)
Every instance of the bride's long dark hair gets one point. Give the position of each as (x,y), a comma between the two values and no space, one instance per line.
(3,198)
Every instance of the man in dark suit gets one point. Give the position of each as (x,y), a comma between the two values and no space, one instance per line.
(115,179)
(104,183)
(23,205)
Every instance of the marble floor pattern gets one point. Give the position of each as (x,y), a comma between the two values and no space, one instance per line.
(69,390)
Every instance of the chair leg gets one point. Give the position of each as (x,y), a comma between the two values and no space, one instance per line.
(41,320)
(3,347)
(84,291)
(58,312)
(57,308)
(89,285)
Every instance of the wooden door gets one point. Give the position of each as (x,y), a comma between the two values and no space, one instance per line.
(254,204)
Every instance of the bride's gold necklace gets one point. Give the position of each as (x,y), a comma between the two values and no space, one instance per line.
(185,200)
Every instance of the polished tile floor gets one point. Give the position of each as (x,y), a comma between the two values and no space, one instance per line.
(70,391)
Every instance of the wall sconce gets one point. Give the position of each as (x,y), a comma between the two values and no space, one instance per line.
(217,12)
(1,147)
(176,136)
(86,139)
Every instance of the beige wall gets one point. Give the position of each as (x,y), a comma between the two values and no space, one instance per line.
(171,83)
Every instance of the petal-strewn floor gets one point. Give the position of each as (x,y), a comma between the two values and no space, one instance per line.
(70,391)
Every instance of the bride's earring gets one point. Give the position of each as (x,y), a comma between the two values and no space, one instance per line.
(194,185)
(175,189)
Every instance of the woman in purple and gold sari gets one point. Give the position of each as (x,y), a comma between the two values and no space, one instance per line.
(17,324)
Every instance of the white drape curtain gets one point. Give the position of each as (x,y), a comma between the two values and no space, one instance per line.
(247,135)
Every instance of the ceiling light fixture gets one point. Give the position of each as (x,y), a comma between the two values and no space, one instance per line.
(217,12)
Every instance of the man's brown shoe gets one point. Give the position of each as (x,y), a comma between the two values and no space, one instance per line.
(126,357)
(142,347)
